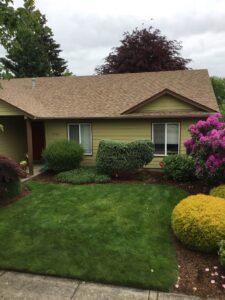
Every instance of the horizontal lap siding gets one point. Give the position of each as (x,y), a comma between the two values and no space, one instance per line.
(165,103)
(124,130)
(8,110)
(13,140)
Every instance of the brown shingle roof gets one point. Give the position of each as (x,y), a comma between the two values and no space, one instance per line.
(105,95)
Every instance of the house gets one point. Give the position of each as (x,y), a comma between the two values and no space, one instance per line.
(155,105)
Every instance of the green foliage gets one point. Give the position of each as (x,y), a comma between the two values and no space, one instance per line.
(82,175)
(116,157)
(63,155)
(29,43)
(108,233)
(12,189)
(218,84)
(5,74)
(180,168)
(199,222)
(222,253)
(218,191)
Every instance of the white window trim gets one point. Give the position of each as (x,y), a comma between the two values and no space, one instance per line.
(78,124)
(166,123)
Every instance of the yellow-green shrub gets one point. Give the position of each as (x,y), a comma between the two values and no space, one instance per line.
(218,191)
(199,222)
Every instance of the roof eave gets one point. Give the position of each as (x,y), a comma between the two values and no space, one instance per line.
(130,116)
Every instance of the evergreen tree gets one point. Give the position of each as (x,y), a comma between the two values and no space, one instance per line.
(29,42)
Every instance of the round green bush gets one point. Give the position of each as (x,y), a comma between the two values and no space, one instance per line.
(199,222)
(221,253)
(117,157)
(180,168)
(218,191)
(10,189)
(63,155)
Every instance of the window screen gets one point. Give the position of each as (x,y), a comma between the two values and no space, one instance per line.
(81,133)
(166,138)
(159,138)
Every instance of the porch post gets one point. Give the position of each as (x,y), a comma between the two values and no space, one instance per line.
(29,146)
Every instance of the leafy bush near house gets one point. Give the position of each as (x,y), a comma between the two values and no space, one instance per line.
(117,157)
(82,175)
(12,189)
(199,222)
(10,172)
(222,252)
(218,191)
(180,168)
(63,155)
(207,146)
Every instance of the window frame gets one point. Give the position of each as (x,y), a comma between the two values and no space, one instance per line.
(165,150)
(79,126)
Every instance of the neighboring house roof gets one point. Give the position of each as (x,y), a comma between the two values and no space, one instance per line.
(103,96)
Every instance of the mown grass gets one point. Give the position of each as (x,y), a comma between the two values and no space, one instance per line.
(116,234)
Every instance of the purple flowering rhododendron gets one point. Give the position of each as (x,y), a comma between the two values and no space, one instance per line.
(207,147)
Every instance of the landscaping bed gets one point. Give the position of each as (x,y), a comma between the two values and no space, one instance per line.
(7,201)
(199,274)
(143,176)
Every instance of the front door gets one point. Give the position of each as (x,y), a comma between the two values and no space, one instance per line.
(38,137)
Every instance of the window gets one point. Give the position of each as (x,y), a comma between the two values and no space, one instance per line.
(166,138)
(82,134)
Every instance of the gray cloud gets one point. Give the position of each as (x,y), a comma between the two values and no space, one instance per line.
(87,34)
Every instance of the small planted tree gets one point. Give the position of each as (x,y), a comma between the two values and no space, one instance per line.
(10,173)
(207,147)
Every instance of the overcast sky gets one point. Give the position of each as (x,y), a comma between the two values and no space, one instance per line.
(88,29)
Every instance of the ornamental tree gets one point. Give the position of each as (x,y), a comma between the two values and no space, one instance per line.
(144,50)
(207,147)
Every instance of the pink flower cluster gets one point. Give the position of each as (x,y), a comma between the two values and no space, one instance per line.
(207,144)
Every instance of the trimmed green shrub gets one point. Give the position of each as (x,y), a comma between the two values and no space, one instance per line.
(10,172)
(180,168)
(63,155)
(218,191)
(222,253)
(12,189)
(199,222)
(117,157)
(82,175)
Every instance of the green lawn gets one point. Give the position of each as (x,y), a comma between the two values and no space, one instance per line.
(107,233)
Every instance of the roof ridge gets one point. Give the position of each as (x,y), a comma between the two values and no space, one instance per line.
(106,75)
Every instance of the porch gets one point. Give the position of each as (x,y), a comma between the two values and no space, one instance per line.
(23,139)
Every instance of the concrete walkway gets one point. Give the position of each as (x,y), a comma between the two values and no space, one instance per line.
(22,286)
(37,171)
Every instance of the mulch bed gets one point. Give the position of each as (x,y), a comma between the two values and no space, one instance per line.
(199,274)
(146,176)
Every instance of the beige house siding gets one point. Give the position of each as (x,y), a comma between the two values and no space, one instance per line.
(13,139)
(125,130)
(166,103)
(8,110)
